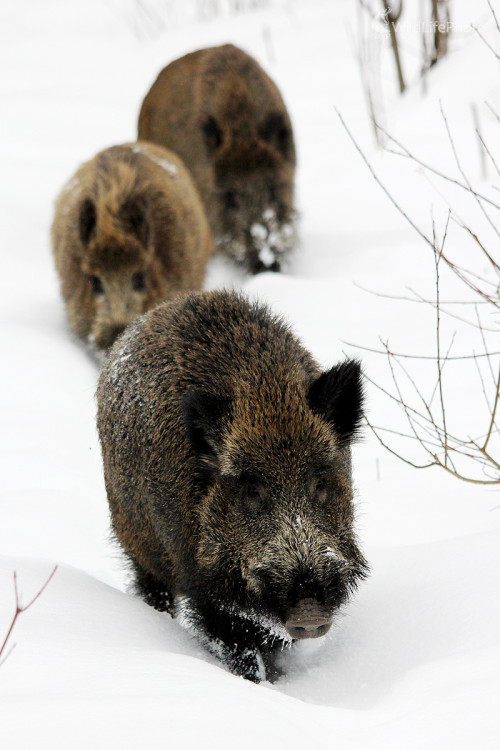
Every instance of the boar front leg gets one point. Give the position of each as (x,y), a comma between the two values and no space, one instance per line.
(233,639)
(156,593)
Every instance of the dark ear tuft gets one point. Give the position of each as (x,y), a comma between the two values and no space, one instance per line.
(203,414)
(134,216)
(275,131)
(86,220)
(337,395)
(212,134)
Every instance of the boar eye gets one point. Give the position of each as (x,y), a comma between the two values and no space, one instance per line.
(96,286)
(253,496)
(139,281)
(231,199)
(319,489)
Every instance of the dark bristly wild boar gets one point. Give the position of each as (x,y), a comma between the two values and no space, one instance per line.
(129,231)
(226,118)
(227,464)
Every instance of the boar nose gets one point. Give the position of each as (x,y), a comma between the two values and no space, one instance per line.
(116,330)
(107,337)
(308,619)
(260,267)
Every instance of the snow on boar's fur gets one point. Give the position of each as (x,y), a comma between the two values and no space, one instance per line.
(226,118)
(227,464)
(129,231)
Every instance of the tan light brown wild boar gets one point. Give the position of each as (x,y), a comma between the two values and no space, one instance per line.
(227,460)
(129,231)
(226,118)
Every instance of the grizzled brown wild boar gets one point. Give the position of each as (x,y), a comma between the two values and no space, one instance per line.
(129,231)
(227,463)
(226,118)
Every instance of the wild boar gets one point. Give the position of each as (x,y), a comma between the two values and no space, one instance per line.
(129,231)
(226,118)
(227,464)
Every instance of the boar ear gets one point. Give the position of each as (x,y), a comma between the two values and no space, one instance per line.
(275,131)
(134,215)
(337,395)
(212,134)
(86,220)
(203,414)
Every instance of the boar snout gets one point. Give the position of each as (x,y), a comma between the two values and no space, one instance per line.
(105,338)
(309,619)
(116,330)
(259,267)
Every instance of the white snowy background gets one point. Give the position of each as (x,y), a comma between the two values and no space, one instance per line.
(414,661)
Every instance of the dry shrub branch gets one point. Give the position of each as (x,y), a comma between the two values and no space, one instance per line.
(471,458)
(20,608)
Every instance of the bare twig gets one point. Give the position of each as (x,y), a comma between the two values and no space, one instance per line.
(366,51)
(477,129)
(485,147)
(391,18)
(380,183)
(485,41)
(407,154)
(437,258)
(493,414)
(494,264)
(494,15)
(427,425)
(431,357)
(481,331)
(20,608)
(461,170)
(442,26)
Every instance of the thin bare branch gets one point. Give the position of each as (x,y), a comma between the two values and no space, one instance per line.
(462,172)
(427,424)
(485,346)
(415,412)
(494,15)
(11,649)
(401,458)
(380,183)
(418,298)
(493,112)
(19,610)
(485,147)
(458,449)
(435,462)
(437,257)
(431,357)
(363,51)
(485,41)
(405,153)
(493,415)
(421,300)
(401,400)
(465,478)
(494,264)
(446,359)
(477,129)
(392,17)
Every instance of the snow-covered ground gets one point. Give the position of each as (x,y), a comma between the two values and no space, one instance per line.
(414,662)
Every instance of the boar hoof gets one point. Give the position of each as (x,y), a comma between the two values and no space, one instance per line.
(248,664)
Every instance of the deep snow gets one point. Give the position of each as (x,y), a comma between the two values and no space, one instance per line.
(414,661)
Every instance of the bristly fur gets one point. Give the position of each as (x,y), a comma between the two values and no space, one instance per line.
(129,231)
(227,463)
(226,118)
